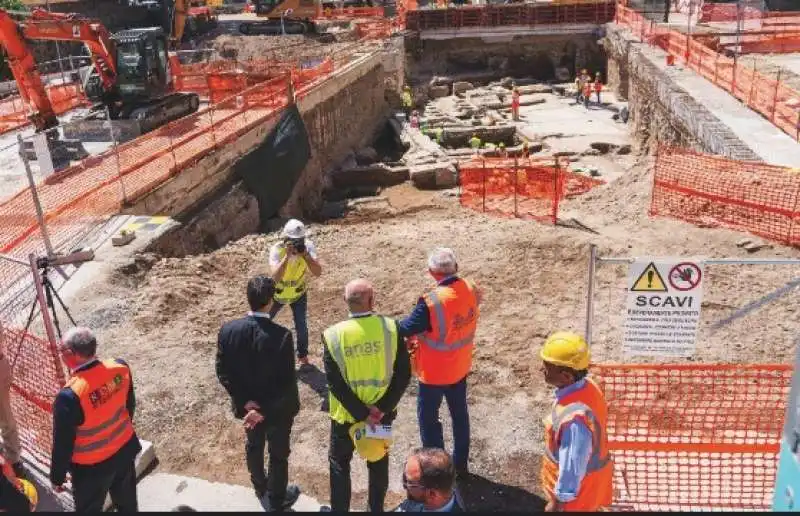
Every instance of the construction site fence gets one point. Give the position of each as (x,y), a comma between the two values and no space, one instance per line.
(503,15)
(713,191)
(528,188)
(350,13)
(14,111)
(698,430)
(772,97)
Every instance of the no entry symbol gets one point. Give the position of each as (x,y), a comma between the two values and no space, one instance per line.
(685,276)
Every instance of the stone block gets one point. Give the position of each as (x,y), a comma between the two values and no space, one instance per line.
(436,92)
(461,87)
(372,175)
(434,176)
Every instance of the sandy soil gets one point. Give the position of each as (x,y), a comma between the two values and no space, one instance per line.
(162,315)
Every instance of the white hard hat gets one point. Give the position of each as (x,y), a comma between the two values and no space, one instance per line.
(294,229)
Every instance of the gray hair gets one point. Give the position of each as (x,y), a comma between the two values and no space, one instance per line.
(81,341)
(443,261)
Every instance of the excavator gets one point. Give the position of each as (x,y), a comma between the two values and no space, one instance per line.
(291,16)
(130,78)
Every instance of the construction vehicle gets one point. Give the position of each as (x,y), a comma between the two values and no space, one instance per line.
(130,77)
(291,16)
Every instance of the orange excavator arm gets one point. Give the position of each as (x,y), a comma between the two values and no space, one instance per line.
(23,66)
(179,22)
(45,25)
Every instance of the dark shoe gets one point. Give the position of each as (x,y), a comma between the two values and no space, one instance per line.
(19,469)
(324,508)
(292,494)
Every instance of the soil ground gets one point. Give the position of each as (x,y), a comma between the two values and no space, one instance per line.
(164,320)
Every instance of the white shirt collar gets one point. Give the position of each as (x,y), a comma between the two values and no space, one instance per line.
(263,315)
(361,314)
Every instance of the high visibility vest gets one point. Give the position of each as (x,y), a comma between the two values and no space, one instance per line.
(365,349)
(515,99)
(292,285)
(407,100)
(475,142)
(598,85)
(103,392)
(588,405)
(444,355)
(437,134)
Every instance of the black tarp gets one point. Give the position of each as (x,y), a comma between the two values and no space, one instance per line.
(271,170)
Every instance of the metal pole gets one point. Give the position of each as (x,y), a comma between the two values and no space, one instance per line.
(712,261)
(116,156)
(736,46)
(46,321)
(590,294)
(35,195)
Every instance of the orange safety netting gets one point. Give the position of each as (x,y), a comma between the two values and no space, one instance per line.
(500,15)
(14,111)
(694,436)
(37,375)
(349,13)
(771,97)
(376,29)
(522,187)
(716,191)
(727,12)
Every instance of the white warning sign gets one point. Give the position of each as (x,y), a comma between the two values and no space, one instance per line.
(663,307)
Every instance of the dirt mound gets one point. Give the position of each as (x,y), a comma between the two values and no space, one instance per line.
(283,48)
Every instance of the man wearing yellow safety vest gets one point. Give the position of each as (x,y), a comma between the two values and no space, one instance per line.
(368,370)
(289,261)
(576,468)
(475,142)
(93,436)
(408,102)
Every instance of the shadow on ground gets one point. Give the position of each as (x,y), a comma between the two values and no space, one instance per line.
(482,494)
(314,378)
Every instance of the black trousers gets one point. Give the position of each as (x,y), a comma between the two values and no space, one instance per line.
(275,434)
(340,454)
(90,485)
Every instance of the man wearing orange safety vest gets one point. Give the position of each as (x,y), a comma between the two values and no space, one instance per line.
(576,467)
(93,436)
(515,103)
(444,322)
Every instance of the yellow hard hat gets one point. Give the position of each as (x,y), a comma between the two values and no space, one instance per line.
(407,88)
(371,449)
(502,145)
(29,490)
(567,349)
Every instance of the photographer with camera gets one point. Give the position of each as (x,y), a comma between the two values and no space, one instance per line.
(289,260)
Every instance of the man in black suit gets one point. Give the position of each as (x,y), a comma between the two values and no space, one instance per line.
(255,364)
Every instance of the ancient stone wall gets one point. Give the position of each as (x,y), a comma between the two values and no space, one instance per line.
(661,111)
(536,56)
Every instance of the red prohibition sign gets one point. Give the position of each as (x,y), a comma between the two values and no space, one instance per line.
(684,276)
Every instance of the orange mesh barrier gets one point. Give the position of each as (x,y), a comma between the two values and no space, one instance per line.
(771,97)
(37,374)
(525,188)
(599,12)
(14,111)
(715,191)
(349,13)
(727,13)
(694,437)
(377,29)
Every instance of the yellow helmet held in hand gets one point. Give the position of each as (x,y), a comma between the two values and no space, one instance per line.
(30,492)
(567,349)
(369,448)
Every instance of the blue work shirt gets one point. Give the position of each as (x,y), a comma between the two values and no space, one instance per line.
(574,451)
(420,319)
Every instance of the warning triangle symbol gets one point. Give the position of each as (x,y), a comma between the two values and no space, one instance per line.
(649,281)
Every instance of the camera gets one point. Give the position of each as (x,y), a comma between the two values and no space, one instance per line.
(299,244)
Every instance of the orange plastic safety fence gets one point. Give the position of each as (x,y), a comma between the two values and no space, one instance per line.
(377,29)
(771,97)
(37,375)
(524,187)
(14,111)
(715,191)
(349,13)
(598,12)
(694,436)
(727,12)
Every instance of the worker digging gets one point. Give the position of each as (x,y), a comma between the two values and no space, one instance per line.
(431,256)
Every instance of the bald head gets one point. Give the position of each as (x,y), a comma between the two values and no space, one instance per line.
(358,295)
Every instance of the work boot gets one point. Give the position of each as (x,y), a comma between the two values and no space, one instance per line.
(292,494)
(303,362)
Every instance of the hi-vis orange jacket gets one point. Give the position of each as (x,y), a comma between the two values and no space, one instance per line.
(444,355)
(589,405)
(103,392)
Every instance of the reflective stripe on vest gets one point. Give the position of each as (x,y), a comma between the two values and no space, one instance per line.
(596,462)
(388,359)
(364,349)
(293,284)
(102,391)
(440,343)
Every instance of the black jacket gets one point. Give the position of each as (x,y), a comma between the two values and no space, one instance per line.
(255,362)
(338,387)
